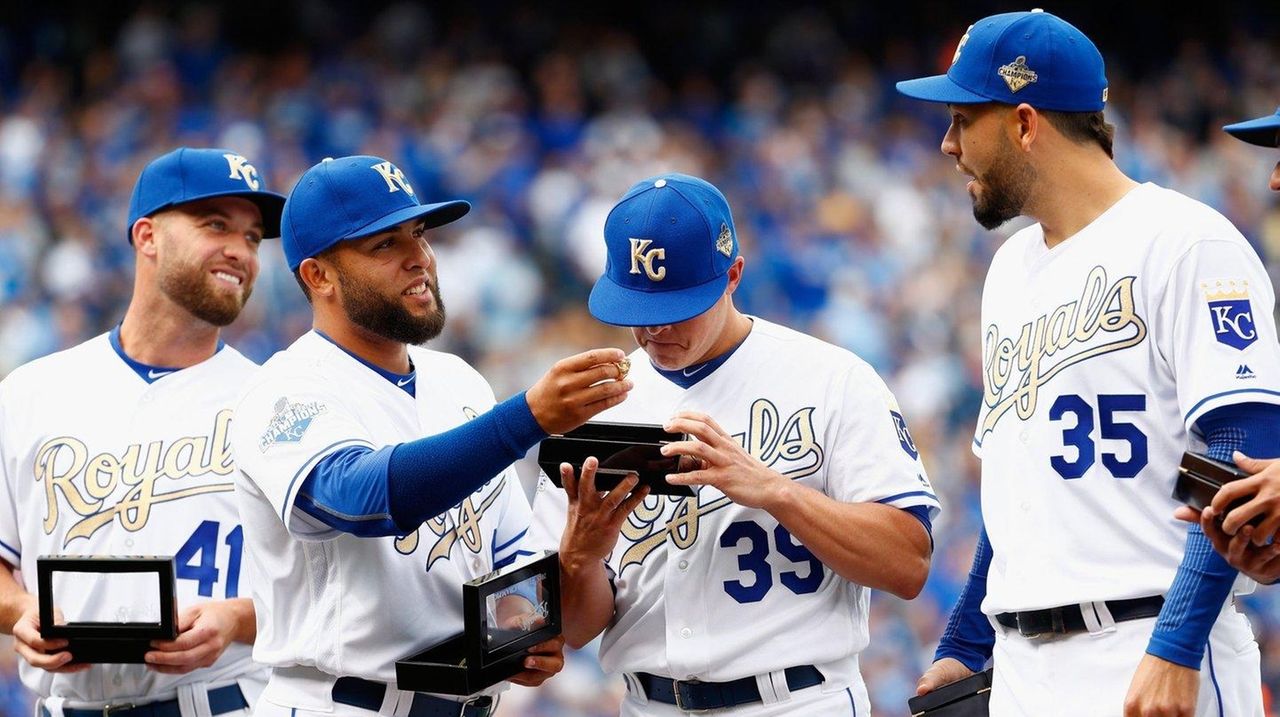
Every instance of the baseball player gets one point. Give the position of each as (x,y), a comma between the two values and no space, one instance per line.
(119,446)
(361,530)
(1248,548)
(751,597)
(1129,324)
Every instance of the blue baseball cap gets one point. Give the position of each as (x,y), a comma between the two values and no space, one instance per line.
(1263,131)
(1032,57)
(353,197)
(187,174)
(670,242)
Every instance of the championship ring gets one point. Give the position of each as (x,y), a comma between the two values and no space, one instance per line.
(624,367)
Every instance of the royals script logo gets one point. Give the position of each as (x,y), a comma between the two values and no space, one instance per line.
(788,446)
(1103,320)
(83,483)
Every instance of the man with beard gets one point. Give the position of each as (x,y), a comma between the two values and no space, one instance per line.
(1129,324)
(119,446)
(361,530)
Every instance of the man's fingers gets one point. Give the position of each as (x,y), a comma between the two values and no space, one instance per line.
(1252,465)
(616,497)
(578,363)
(569,481)
(1240,515)
(1187,513)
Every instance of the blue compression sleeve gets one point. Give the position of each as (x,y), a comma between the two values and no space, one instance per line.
(969,636)
(921,513)
(1204,578)
(393,490)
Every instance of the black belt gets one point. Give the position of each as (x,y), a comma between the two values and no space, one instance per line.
(368,695)
(694,696)
(1068,619)
(221,701)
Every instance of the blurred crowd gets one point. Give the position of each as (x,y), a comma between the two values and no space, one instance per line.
(855,228)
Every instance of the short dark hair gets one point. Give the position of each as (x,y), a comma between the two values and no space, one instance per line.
(1084,127)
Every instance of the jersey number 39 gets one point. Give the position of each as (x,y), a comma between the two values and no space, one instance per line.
(755,561)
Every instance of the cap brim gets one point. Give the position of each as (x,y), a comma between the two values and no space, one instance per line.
(1263,131)
(621,306)
(939,88)
(434,215)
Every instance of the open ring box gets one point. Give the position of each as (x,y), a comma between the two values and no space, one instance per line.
(1199,479)
(505,613)
(622,449)
(137,591)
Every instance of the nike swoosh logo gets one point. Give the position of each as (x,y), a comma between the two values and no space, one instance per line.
(694,372)
(401,384)
(153,374)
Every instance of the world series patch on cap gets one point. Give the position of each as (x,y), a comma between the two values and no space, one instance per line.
(187,174)
(670,242)
(1032,57)
(353,197)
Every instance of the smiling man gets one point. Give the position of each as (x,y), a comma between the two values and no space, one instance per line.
(376,475)
(1129,324)
(119,446)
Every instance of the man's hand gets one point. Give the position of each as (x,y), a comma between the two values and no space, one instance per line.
(723,462)
(544,660)
(1261,492)
(48,655)
(1162,689)
(577,388)
(594,521)
(204,632)
(1262,563)
(942,672)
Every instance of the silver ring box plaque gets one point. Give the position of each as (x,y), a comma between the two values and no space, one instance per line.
(139,595)
(505,612)
(622,449)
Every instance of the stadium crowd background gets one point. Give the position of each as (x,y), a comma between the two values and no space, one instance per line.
(854,227)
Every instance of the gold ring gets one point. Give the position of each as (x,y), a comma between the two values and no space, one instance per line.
(624,367)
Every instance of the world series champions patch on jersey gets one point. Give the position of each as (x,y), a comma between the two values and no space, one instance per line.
(96,460)
(1099,355)
(711,589)
(343,604)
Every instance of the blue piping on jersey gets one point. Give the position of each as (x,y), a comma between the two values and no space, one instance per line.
(8,547)
(853,705)
(407,382)
(1213,677)
(306,470)
(908,495)
(146,372)
(511,559)
(504,546)
(1228,393)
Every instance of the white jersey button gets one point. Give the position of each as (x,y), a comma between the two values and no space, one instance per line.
(686,632)
(684,564)
(1023,436)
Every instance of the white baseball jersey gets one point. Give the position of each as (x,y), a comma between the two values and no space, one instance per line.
(1099,356)
(712,590)
(346,605)
(97,461)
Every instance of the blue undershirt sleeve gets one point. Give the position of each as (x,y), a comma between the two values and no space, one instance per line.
(1204,579)
(921,513)
(393,490)
(969,636)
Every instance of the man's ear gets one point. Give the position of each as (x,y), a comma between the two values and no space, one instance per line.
(1027,125)
(319,275)
(143,233)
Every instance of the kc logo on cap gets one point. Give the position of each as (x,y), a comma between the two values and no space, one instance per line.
(670,242)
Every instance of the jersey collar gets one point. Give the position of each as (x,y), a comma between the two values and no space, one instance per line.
(146,372)
(689,375)
(406,382)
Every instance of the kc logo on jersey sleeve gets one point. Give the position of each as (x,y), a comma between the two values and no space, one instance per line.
(290,422)
(1230,312)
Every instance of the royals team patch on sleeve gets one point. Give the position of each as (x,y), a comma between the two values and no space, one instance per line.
(290,422)
(1230,312)
(904,436)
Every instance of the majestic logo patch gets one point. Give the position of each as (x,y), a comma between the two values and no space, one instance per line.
(290,422)
(1231,313)
(642,254)
(724,242)
(1244,371)
(1017,75)
(394,178)
(904,436)
(242,170)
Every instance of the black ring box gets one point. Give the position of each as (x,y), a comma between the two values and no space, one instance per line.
(622,449)
(970,697)
(1200,477)
(108,642)
(484,654)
